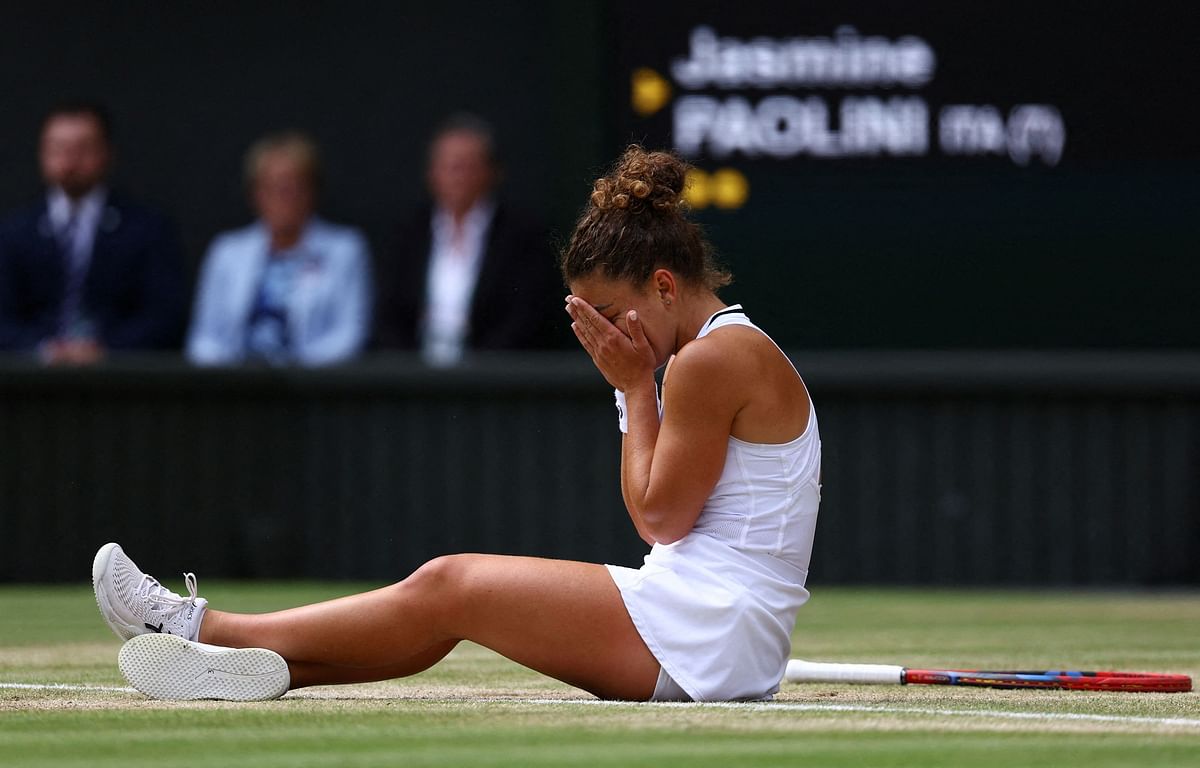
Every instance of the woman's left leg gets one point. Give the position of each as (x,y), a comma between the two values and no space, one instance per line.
(305,673)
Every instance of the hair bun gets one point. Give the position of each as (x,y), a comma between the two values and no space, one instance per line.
(642,181)
(635,223)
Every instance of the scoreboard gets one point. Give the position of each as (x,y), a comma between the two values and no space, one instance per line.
(933,174)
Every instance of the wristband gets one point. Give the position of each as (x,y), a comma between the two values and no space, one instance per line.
(622,412)
(623,409)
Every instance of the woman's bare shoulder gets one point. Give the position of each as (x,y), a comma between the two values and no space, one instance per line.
(715,360)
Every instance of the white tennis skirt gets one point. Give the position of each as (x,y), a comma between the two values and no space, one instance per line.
(719,620)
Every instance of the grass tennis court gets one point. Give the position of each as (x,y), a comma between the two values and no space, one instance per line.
(477,709)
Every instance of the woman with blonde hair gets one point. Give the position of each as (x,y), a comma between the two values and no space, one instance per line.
(290,288)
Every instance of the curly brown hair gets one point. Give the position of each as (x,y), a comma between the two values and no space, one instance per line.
(635,223)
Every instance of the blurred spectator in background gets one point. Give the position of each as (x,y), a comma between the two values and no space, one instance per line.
(470,272)
(84,269)
(290,288)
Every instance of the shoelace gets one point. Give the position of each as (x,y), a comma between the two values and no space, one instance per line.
(164,600)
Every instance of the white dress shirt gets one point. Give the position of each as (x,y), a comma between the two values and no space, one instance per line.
(456,255)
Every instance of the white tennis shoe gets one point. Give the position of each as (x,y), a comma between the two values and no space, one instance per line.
(134,603)
(169,667)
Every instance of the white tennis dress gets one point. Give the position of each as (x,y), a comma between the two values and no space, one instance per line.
(717,607)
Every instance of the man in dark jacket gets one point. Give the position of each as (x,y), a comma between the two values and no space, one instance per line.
(470,272)
(84,270)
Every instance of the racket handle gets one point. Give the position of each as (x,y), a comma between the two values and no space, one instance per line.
(800,671)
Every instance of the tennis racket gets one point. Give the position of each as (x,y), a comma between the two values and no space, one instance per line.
(799,671)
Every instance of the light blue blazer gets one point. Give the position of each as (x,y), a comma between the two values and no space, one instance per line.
(329,312)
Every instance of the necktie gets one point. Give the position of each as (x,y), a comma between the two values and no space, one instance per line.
(71,318)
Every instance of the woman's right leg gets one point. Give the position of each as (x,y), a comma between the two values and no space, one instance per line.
(564,619)
(345,652)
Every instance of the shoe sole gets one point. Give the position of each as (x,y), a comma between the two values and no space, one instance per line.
(99,568)
(169,667)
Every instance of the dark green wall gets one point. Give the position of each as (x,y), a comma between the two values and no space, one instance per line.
(944,469)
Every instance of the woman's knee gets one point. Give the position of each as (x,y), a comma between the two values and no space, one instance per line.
(439,581)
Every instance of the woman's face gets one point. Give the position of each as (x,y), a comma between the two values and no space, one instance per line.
(283,193)
(615,298)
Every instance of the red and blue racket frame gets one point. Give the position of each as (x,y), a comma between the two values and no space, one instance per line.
(1052,679)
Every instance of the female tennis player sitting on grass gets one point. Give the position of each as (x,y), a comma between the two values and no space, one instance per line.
(721,478)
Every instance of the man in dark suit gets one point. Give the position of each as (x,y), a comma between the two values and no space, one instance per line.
(470,272)
(84,270)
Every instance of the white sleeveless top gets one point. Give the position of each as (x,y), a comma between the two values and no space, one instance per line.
(717,607)
(766,499)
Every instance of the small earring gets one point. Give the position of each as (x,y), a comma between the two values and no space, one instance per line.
(668,302)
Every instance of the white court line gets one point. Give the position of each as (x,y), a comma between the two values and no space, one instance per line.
(777,706)
(66,687)
(787,706)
